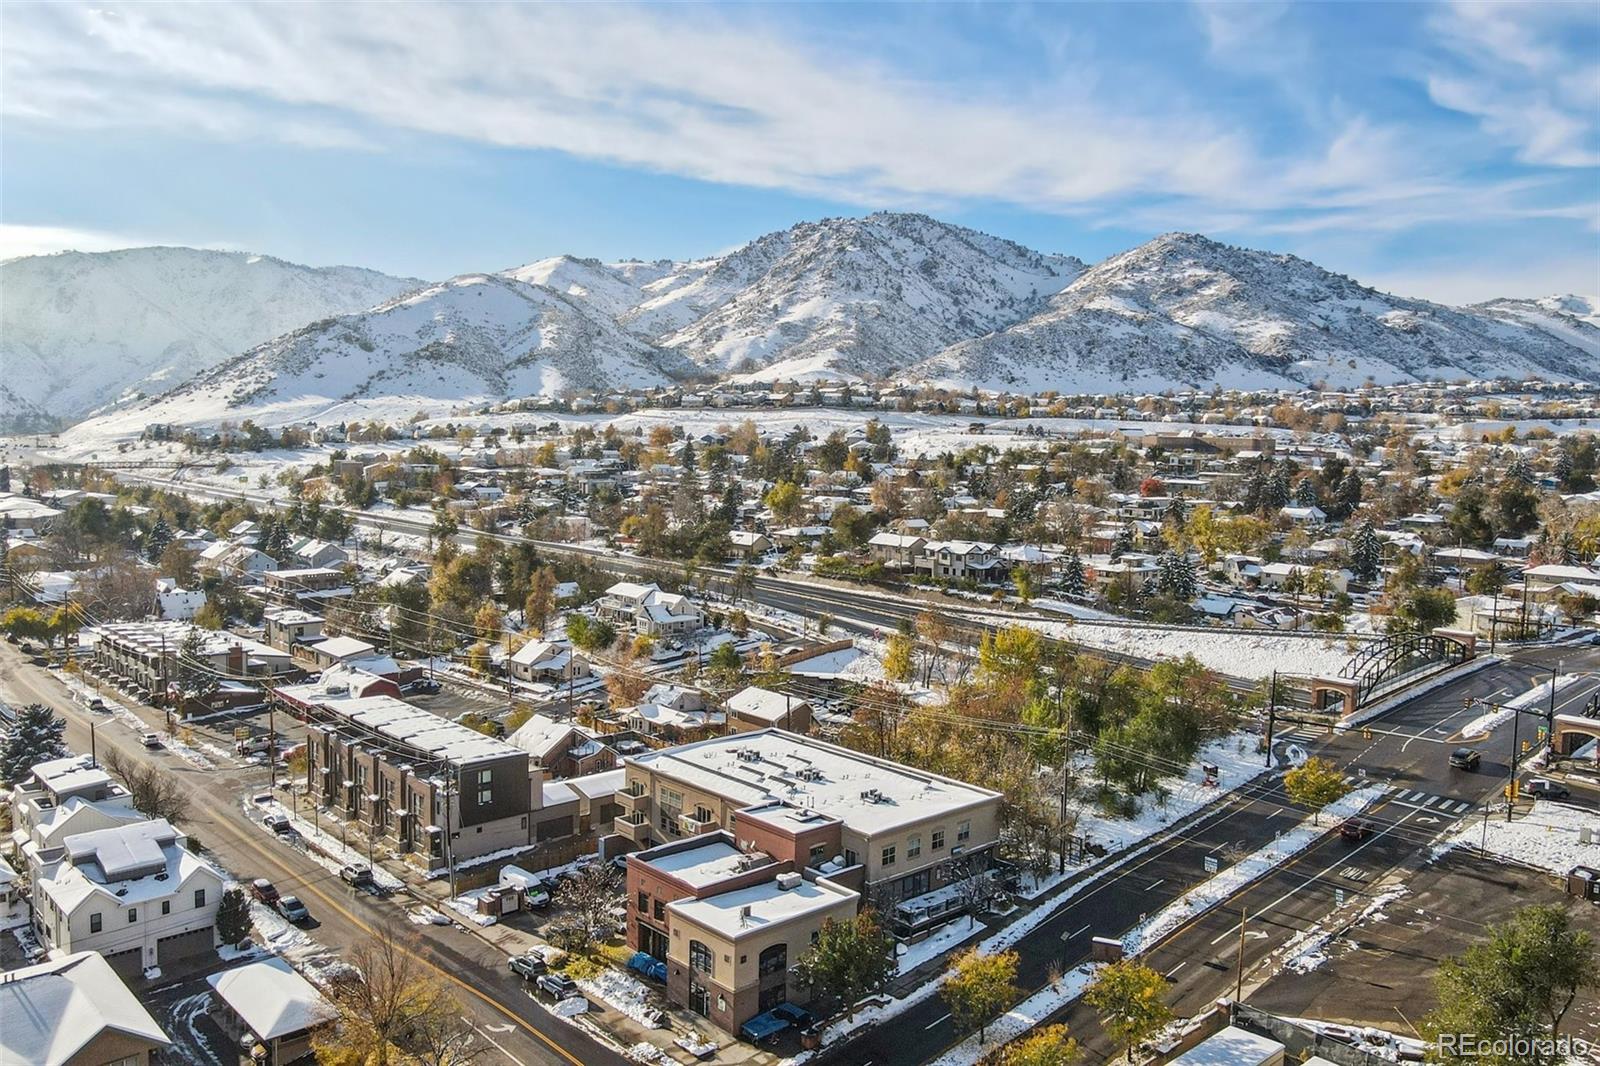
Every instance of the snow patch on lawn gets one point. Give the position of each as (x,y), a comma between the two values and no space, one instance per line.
(625,994)
(1547,837)
(1238,653)
(938,942)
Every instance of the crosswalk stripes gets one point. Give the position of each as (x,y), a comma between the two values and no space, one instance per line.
(1425,801)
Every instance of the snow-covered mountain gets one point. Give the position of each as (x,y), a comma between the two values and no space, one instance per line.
(474,338)
(1186,311)
(1562,316)
(82,330)
(846,297)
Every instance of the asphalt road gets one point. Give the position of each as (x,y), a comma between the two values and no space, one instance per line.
(517,1030)
(1408,750)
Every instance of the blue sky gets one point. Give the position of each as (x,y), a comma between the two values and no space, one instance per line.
(1450,151)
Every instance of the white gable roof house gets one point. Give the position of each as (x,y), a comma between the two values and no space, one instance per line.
(134,893)
(74,1010)
(274,1004)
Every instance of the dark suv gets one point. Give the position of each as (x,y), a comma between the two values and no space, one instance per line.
(527,967)
(1465,758)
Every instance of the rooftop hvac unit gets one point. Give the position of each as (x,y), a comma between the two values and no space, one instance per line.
(788,881)
(744,914)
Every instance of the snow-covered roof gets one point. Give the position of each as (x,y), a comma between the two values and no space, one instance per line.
(716,860)
(749,910)
(344,648)
(763,705)
(751,767)
(271,998)
(53,1010)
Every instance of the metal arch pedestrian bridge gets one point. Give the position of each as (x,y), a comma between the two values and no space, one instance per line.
(1403,656)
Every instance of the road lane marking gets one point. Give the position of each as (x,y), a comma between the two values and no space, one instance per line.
(1080,932)
(1176,968)
(1157,884)
(936,1021)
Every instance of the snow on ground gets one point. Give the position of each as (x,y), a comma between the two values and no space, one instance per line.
(124,714)
(1537,696)
(1209,893)
(851,664)
(1237,763)
(1247,653)
(273,932)
(466,905)
(626,994)
(185,1016)
(323,847)
(1546,837)
(939,941)
(1308,950)
(1379,1043)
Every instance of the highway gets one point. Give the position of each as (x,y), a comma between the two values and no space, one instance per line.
(514,1029)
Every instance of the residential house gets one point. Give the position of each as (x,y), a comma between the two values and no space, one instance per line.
(754,708)
(749,545)
(287,626)
(548,662)
(75,1011)
(960,560)
(898,551)
(135,893)
(562,749)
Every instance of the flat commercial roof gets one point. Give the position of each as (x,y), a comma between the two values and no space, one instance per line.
(869,795)
(400,721)
(714,861)
(724,913)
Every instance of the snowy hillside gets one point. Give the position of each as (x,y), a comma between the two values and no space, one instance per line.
(473,338)
(846,297)
(611,290)
(81,330)
(1564,317)
(1183,310)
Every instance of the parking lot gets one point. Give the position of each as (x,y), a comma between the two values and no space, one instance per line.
(1381,972)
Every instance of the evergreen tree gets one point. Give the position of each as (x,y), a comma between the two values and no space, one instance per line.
(1567,549)
(160,537)
(1177,512)
(5,479)
(1366,554)
(233,916)
(1176,577)
(1073,580)
(38,736)
(1563,468)
(1305,493)
(1277,494)
(1519,470)
(1349,494)
(1123,544)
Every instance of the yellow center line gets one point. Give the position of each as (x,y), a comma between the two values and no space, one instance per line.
(306,886)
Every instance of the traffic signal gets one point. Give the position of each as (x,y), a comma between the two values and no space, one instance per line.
(1466,703)
(1511,792)
(1366,733)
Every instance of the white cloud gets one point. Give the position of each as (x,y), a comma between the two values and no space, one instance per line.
(19,240)
(724,97)
(1528,73)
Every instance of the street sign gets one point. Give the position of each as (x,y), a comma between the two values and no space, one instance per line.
(1212,865)
(1338,897)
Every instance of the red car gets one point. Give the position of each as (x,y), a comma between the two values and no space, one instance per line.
(1355,829)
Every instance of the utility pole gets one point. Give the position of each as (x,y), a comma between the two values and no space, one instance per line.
(449,828)
(1511,776)
(1238,981)
(1272,714)
(1550,712)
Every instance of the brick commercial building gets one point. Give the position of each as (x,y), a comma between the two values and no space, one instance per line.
(409,777)
(901,833)
(730,920)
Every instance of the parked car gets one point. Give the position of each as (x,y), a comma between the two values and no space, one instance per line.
(1355,829)
(293,910)
(278,823)
(150,740)
(256,745)
(528,967)
(536,899)
(1466,758)
(357,874)
(799,1017)
(264,890)
(556,985)
(426,684)
(1544,788)
(94,703)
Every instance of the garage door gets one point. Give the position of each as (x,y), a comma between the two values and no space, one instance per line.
(180,946)
(128,963)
